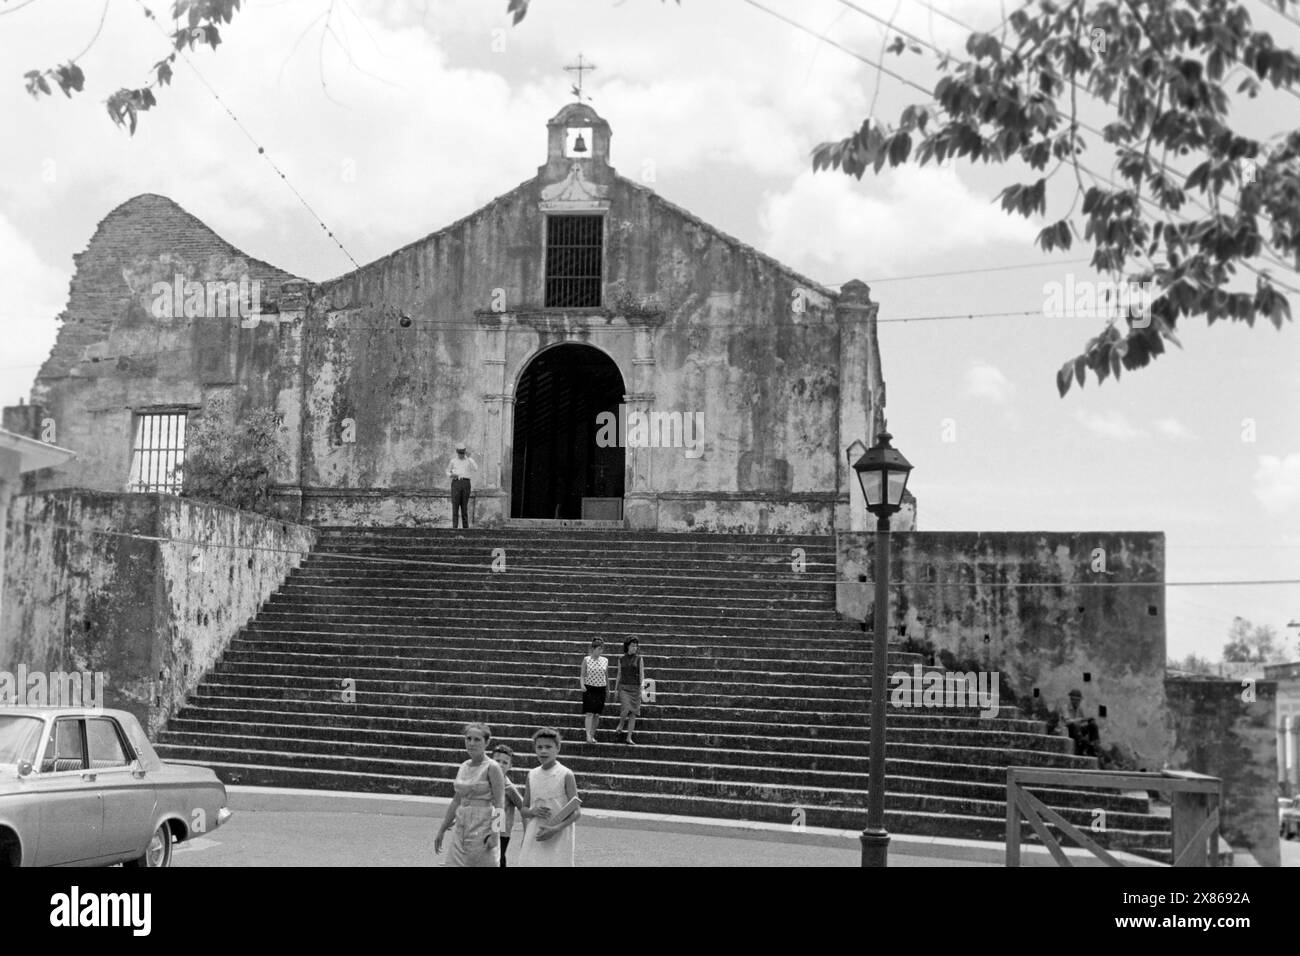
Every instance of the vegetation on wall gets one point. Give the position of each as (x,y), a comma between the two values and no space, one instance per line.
(234,462)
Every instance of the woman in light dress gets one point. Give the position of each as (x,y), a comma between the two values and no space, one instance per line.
(477,808)
(549,837)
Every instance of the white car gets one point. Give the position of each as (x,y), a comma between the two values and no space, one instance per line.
(84,787)
(1288,818)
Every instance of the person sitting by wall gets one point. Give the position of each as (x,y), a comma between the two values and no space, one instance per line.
(1081,727)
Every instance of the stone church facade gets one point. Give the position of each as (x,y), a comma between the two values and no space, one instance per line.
(603,354)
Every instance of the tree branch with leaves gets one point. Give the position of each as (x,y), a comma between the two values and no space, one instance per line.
(1160,66)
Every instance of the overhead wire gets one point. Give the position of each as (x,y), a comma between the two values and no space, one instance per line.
(179,51)
(928,93)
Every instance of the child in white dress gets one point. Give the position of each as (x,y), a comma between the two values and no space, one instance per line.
(549,836)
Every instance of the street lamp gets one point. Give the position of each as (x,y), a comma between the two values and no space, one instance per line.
(882,473)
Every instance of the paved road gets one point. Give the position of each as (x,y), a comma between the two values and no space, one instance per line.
(313,828)
(316,838)
(1290,852)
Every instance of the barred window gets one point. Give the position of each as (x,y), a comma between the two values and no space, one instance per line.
(573,261)
(158,452)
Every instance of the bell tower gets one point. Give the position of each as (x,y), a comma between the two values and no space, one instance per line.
(577,134)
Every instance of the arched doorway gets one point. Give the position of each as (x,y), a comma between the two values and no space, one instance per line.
(555,459)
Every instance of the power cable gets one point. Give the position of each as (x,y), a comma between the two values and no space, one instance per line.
(243,129)
(1084,125)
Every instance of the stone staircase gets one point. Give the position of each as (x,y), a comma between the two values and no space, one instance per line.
(360,671)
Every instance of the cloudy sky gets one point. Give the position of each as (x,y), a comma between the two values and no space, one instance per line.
(395,118)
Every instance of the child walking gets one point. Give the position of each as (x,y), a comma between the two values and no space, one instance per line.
(505,758)
(552,806)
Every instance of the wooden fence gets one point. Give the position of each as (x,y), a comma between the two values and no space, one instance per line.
(1195,799)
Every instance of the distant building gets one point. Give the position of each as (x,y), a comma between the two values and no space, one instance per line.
(1288,723)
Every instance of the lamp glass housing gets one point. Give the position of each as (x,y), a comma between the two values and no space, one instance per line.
(882,473)
(896,485)
(871,487)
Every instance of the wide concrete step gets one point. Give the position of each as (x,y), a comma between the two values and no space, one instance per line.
(736,570)
(476,664)
(657,747)
(682,625)
(417,594)
(682,581)
(964,748)
(381,603)
(606,540)
(525,644)
(378,677)
(597,764)
(845,738)
(722,555)
(779,704)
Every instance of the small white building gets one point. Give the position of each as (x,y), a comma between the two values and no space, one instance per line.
(1288,724)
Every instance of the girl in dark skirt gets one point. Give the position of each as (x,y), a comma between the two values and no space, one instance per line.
(594,681)
(627,686)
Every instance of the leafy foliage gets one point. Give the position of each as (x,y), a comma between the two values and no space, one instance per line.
(1253,644)
(1191,664)
(200,26)
(1161,66)
(68,76)
(234,463)
(518,9)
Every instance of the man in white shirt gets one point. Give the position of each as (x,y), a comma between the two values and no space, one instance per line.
(459,471)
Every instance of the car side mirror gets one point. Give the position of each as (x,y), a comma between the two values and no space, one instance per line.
(24,768)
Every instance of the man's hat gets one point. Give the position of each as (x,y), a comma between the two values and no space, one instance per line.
(460,446)
(1076,693)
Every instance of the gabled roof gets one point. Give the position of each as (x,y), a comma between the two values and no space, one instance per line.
(655,197)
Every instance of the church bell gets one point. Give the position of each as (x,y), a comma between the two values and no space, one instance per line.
(579,144)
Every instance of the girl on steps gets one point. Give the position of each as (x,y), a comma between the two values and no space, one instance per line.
(594,680)
(627,686)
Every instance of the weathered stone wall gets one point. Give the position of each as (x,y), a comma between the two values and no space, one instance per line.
(117,352)
(1026,604)
(722,340)
(378,373)
(147,589)
(1218,730)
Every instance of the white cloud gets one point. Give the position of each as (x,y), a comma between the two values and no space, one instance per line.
(1173,428)
(1277,482)
(829,224)
(987,381)
(34,293)
(1109,425)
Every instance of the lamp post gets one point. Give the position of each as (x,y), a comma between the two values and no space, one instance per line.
(882,473)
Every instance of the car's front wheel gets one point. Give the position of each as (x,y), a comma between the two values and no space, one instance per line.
(159,852)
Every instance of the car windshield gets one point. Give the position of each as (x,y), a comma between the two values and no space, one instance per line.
(19,737)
